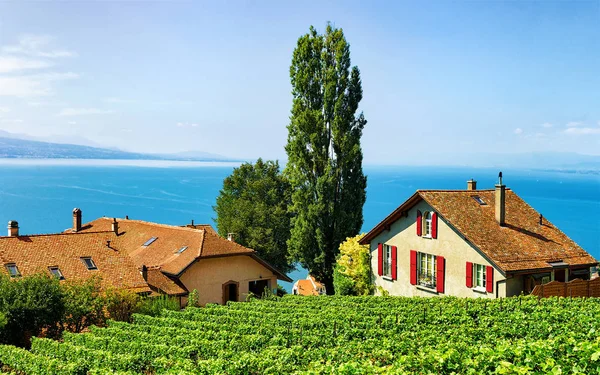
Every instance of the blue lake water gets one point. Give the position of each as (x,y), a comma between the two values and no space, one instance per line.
(41,198)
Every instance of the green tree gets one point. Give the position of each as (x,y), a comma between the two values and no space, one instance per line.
(324,153)
(253,204)
(84,304)
(29,305)
(352,273)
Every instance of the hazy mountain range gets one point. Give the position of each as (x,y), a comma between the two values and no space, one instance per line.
(23,146)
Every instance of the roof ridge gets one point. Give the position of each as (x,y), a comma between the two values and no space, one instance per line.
(455,190)
(55,234)
(149,223)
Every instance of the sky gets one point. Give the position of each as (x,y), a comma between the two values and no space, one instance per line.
(440,78)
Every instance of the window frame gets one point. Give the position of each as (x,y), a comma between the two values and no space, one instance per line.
(60,275)
(427,278)
(93,267)
(479,277)
(427,224)
(387,261)
(8,267)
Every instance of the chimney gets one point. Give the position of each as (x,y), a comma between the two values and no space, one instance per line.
(541,220)
(192,222)
(13,229)
(76,219)
(500,197)
(471,185)
(231,237)
(115,226)
(145,272)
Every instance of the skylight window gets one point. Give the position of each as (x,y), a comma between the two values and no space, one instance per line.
(479,200)
(13,271)
(149,242)
(89,263)
(55,271)
(182,250)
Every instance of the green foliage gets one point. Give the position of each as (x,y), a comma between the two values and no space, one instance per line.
(121,304)
(352,273)
(154,306)
(194,299)
(83,304)
(335,335)
(29,305)
(281,291)
(324,153)
(253,204)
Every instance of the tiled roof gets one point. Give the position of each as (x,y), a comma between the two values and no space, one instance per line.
(305,288)
(206,227)
(163,283)
(164,252)
(521,244)
(35,253)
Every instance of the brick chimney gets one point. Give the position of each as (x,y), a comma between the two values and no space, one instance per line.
(13,229)
(471,185)
(231,237)
(76,219)
(115,226)
(500,198)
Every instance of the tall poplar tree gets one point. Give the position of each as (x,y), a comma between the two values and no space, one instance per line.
(324,154)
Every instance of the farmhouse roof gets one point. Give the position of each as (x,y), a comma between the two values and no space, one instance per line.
(37,253)
(521,244)
(171,248)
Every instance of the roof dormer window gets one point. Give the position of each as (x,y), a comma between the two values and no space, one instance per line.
(150,241)
(13,270)
(55,271)
(479,200)
(89,263)
(182,250)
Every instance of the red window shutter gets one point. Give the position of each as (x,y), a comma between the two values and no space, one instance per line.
(394,268)
(469,275)
(489,279)
(413,267)
(434,225)
(419,223)
(380,259)
(441,272)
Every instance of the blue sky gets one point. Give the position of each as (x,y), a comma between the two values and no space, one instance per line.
(439,78)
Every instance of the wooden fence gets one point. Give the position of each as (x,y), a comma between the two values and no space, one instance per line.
(575,288)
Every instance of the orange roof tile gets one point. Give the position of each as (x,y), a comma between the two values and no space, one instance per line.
(165,284)
(305,288)
(521,244)
(35,253)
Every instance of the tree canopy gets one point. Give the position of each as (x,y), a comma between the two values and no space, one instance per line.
(324,153)
(253,204)
(352,273)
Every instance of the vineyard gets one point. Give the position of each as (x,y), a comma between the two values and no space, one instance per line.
(334,335)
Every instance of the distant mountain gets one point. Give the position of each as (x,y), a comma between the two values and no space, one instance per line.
(531,160)
(11,147)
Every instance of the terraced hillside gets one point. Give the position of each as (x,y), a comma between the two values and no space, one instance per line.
(335,335)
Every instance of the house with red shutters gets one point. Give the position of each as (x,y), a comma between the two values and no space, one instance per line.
(471,243)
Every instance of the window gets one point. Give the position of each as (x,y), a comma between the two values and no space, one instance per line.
(387,260)
(427,267)
(479,274)
(182,250)
(55,271)
(149,242)
(13,271)
(479,200)
(427,223)
(89,263)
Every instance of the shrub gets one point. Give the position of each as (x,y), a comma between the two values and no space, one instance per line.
(120,304)
(29,305)
(194,299)
(155,305)
(83,304)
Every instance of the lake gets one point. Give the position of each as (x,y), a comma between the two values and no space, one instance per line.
(42,197)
